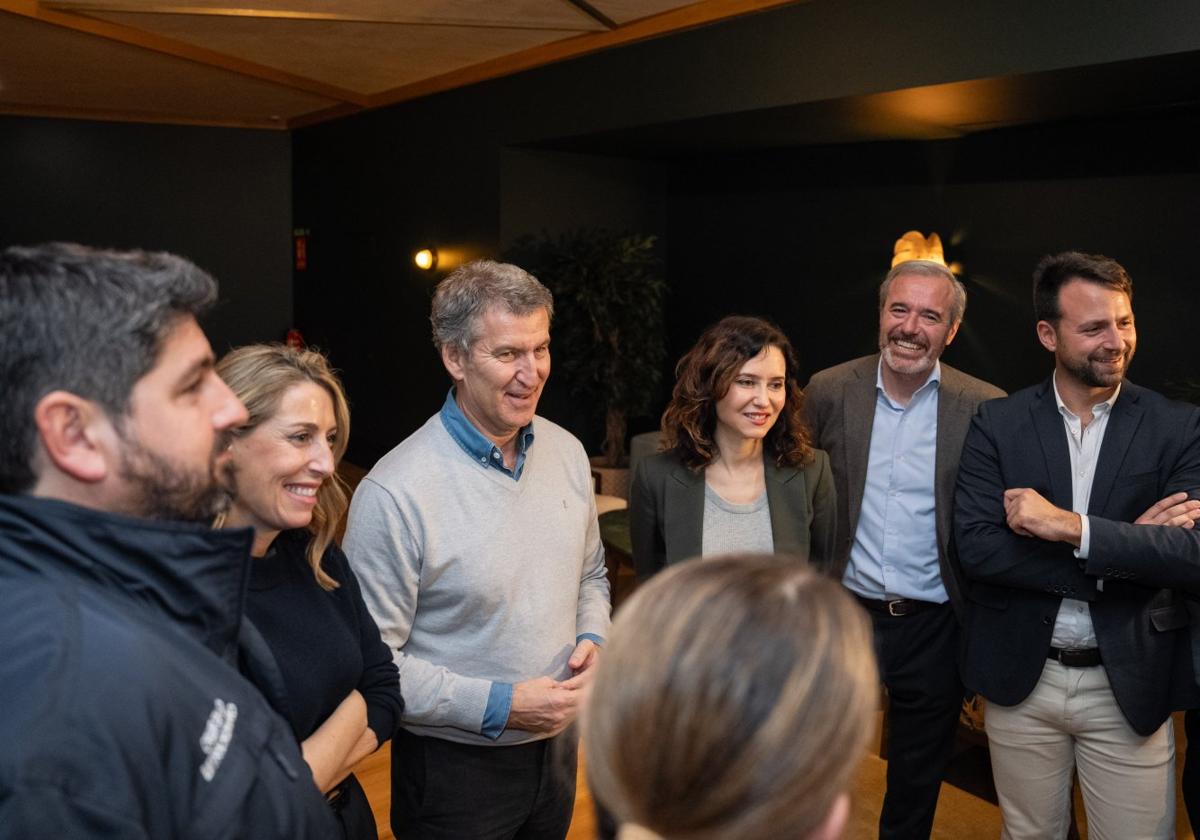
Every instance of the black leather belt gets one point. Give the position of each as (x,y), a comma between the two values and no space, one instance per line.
(337,796)
(1075,658)
(898,607)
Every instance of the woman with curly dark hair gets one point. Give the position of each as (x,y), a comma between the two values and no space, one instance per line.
(737,472)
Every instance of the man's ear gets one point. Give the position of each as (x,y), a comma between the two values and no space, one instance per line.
(453,359)
(953,331)
(1047,335)
(71,430)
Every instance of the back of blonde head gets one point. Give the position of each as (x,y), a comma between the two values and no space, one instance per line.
(734,699)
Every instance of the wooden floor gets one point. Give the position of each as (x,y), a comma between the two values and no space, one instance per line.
(960,815)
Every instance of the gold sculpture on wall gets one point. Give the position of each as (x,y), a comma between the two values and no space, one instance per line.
(914,245)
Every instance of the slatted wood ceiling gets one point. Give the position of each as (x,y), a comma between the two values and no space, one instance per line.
(287,63)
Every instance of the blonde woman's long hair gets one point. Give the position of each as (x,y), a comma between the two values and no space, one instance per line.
(260,374)
(734,699)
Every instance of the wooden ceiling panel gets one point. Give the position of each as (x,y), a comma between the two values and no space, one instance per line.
(533,14)
(53,71)
(290,63)
(363,57)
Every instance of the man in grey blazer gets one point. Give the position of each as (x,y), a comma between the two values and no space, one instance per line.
(893,424)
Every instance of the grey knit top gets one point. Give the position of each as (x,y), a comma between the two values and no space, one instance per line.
(729,527)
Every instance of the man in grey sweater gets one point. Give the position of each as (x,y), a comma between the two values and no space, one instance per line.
(477,547)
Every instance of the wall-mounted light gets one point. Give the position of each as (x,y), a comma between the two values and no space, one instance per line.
(426,259)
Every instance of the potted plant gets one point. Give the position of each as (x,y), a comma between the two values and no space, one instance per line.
(609,337)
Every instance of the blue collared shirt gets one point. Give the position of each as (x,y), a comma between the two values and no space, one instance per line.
(476,444)
(895,550)
(481,449)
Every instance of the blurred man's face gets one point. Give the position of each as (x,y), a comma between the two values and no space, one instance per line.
(180,414)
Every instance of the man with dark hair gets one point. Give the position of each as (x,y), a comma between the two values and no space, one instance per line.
(124,715)
(478,550)
(893,424)
(1052,273)
(1075,637)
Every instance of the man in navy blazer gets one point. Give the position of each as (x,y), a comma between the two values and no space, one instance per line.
(1075,635)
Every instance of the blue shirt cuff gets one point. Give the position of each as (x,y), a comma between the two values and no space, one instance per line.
(591,637)
(495,714)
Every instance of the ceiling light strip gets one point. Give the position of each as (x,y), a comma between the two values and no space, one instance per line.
(334,17)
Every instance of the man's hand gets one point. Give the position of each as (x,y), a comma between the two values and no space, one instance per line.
(585,655)
(587,652)
(1176,510)
(543,705)
(1030,515)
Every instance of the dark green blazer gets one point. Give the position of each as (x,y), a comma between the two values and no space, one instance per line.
(666,511)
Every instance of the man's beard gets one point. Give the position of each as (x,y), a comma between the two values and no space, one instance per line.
(166,490)
(907,367)
(1089,373)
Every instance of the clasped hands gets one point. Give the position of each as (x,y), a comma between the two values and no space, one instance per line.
(548,705)
(1029,514)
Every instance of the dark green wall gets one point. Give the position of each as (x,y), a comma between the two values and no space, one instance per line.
(221,197)
(805,237)
(800,234)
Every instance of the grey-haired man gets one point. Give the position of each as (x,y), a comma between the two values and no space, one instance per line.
(893,424)
(479,554)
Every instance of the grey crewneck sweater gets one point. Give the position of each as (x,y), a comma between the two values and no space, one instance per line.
(474,577)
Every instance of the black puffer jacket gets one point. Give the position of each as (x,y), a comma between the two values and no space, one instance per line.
(121,713)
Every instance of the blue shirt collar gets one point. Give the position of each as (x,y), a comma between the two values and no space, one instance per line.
(934,380)
(476,444)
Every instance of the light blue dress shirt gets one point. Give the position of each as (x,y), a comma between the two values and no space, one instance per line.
(895,549)
(477,445)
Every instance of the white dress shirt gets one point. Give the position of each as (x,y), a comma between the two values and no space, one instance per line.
(1073,626)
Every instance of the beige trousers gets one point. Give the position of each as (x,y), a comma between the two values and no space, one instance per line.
(1071,721)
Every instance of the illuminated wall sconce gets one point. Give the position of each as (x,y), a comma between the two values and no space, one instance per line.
(914,245)
(426,259)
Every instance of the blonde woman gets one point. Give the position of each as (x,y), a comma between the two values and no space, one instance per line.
(734,699)
(340,689)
